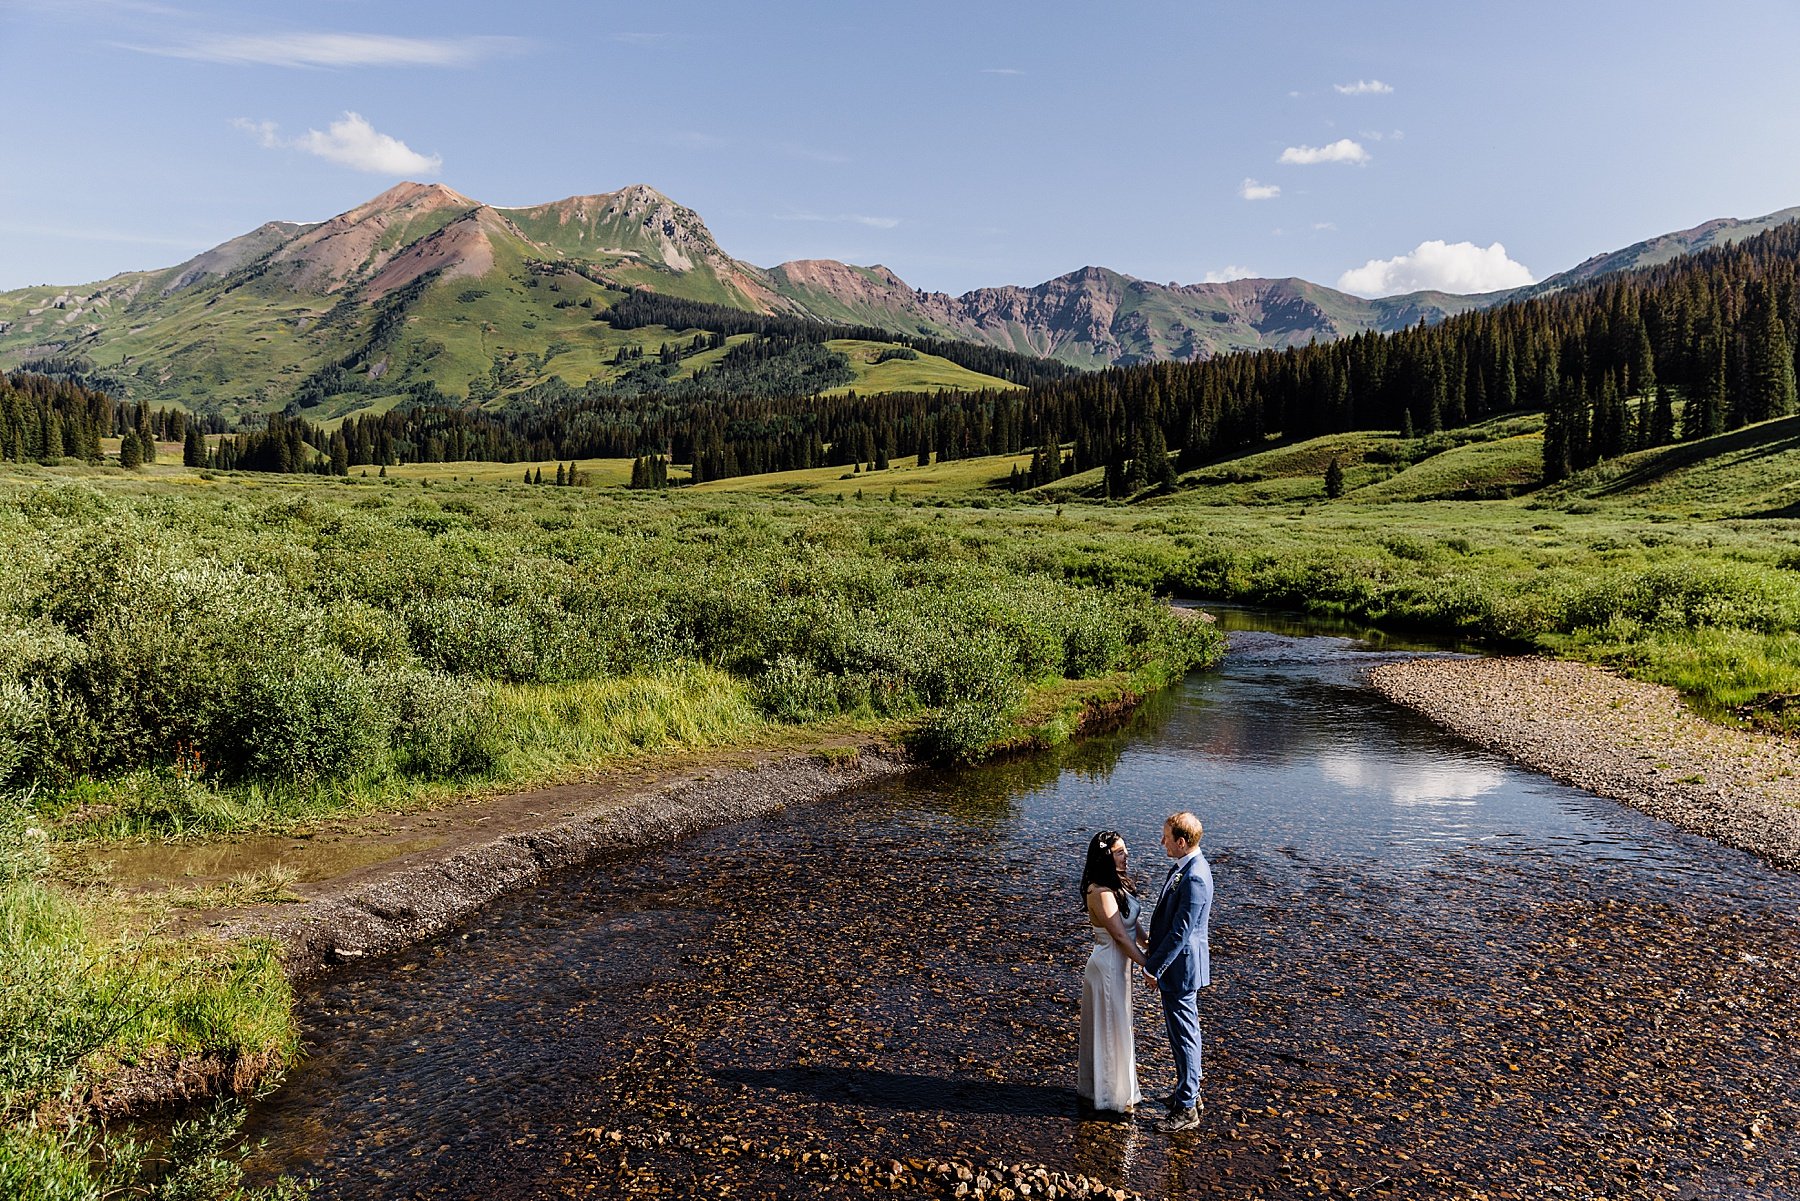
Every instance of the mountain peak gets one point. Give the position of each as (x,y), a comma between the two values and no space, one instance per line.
(408,195)
(641,194)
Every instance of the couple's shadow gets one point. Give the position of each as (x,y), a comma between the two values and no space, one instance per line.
(907,1091)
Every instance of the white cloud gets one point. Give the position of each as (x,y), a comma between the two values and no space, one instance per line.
(1323,225)
(1341,151)
(1363,87)
(351,142)
(334,50)
(844,218)
(1001,71)
(1251,190)
(265,132)
(1226,274)
(1441,267)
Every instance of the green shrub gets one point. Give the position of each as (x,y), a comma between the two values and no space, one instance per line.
(200,1161)
(443,728)
(793,690)
(961,732)
(1679,596)
(315,719)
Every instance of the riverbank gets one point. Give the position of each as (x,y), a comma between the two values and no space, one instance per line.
(1620,738)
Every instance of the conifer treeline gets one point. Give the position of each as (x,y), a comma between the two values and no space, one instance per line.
(45,418)
(1604,360)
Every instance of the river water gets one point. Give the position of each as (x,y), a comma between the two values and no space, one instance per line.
(1435,975)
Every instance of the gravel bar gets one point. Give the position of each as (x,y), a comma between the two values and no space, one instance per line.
(1619,738)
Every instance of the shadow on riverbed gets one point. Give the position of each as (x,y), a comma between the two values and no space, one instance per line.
(907,1091)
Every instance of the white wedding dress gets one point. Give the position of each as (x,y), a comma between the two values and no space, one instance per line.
(1107,1076)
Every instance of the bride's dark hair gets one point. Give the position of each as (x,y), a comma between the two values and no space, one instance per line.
(1100,868)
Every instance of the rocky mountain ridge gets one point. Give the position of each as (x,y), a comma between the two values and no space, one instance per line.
(261,309)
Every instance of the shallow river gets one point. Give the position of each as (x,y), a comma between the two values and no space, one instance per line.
(1435,974)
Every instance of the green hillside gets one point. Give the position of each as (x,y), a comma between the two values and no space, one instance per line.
(905,370)
(441,301)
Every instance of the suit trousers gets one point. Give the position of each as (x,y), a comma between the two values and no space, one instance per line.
(1181,1012)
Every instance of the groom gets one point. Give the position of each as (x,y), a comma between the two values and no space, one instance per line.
(1178,962)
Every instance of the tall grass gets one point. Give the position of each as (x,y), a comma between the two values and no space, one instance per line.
(77,1005)
(549,728)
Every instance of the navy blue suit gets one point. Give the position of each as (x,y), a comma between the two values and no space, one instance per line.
(1180,960)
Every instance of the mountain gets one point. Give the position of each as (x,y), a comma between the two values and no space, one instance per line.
(1721,231)
(424,292)
(1096,317)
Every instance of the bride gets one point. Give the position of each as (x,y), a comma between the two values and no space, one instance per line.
(1107,1077)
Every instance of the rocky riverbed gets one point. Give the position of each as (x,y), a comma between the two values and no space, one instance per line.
(1435,976)
(1624,739)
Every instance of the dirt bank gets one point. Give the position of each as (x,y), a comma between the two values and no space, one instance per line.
(378,909)
(1619,738)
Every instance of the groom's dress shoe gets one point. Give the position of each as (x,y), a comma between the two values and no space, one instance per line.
(1169,1107)
(1179,1120)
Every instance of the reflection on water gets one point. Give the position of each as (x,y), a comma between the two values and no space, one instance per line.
(1408,783)
(1435,975)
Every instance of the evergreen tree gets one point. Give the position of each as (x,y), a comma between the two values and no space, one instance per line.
(560,478)
(1662,420)
(1769,386)
(1704,414)
(1136,473)
(1557,460)
(1609,421)
(1158,472)
(131,451)
(193,448)
(1334,478)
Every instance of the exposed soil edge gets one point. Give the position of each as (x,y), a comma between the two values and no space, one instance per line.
(172,1080)
(396,910)
(1620,738)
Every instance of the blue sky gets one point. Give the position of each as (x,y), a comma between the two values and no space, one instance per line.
(962,145)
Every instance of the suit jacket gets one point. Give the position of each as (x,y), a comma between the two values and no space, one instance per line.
(1178,956)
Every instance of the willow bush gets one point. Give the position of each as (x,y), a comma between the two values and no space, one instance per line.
(317,637)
